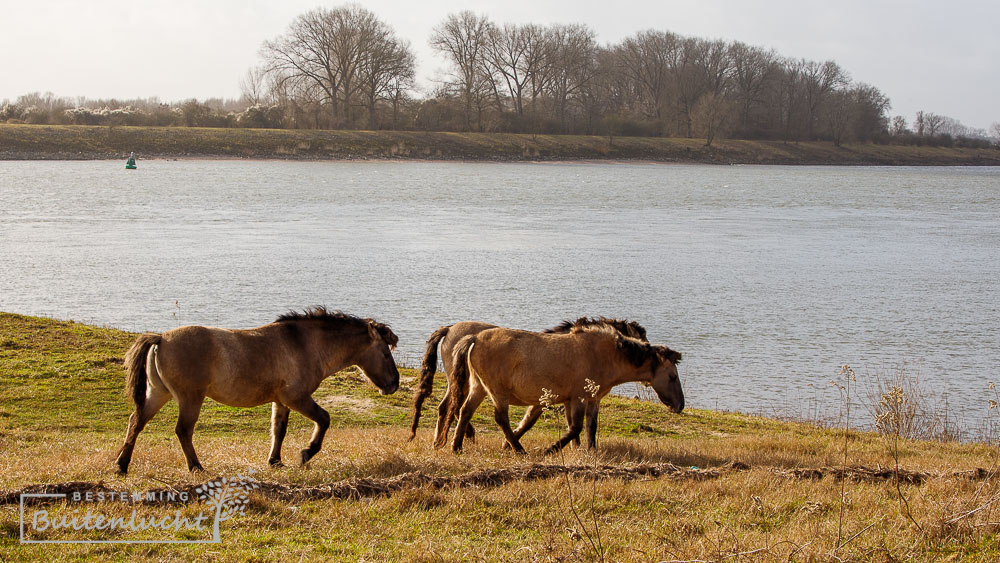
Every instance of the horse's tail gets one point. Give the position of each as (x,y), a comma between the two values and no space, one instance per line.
(460,379)
(135,367)
(427,371)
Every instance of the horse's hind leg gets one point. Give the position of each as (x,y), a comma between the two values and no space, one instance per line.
(308,408)
(476,395)
(156,397)
(444,421)
(574,412)
(190,408)
(279,425)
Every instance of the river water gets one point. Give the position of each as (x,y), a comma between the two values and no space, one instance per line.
(768,279)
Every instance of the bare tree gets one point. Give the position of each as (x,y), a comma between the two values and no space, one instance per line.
(647,60)
(710,116)
(508,55)
(932,123)
(752,68)
(326,48)
(819,80)
(253,85)
(898,126)
(839,111)
(574,65)
(463,37)
(385,70)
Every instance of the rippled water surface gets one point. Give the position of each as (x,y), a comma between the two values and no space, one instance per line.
(768,279)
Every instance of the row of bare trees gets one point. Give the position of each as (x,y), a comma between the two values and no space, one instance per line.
(559,79)
(343,67)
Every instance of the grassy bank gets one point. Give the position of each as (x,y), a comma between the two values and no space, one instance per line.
(19,142)
(702,485)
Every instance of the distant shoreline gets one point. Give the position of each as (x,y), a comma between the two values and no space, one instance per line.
(80,142)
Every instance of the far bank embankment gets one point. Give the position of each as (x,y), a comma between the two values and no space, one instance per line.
(77,142)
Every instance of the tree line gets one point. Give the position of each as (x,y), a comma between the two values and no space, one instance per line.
(344,68)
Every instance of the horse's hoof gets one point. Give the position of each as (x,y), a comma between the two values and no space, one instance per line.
(197,469)
(121,471)
(275,463)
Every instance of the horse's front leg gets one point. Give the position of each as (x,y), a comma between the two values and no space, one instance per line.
(574,412)
(279,425)
(308,408)
(530,418)
(569,426)
(593,406)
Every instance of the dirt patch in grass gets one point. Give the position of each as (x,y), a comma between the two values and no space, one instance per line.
(363,488)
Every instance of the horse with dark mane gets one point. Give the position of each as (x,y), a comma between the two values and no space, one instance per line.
(281,363)
(448,337)
(516,367)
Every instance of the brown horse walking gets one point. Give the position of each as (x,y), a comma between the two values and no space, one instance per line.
(577,369)
(448,337)
(282,363)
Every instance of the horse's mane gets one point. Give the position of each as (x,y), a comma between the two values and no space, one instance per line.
(636,351)
(339,318)
(624,326)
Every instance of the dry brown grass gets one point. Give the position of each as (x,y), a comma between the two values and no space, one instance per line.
(760,509)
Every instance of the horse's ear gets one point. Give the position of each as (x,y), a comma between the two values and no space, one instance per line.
(673,355)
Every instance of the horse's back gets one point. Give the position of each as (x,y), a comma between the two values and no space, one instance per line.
(233,366)
(526,364)
(457,332)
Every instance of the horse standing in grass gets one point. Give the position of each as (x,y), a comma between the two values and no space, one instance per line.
(448,337)
(577,369)
(282,363)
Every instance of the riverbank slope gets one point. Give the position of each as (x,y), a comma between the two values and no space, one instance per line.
(701,485)
(79,142)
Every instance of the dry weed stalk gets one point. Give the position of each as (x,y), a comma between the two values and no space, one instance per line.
(847,374)
(894,410)
(593,538)
(988,487)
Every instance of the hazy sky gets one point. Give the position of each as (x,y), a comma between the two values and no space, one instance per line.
(942,57)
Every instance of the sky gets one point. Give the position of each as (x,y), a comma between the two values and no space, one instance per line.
(940,57)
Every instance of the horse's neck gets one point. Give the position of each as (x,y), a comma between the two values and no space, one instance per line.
(337,354)
(627,372)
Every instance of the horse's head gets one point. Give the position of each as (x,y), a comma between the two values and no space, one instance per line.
(376,359)
(661,363)
(666,382)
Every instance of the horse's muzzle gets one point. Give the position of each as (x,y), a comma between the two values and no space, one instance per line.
(389,390)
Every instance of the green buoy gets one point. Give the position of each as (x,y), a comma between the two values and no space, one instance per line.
(130,163)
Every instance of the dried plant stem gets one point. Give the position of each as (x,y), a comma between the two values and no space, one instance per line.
(899,489)
(848,374)
(595,544)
